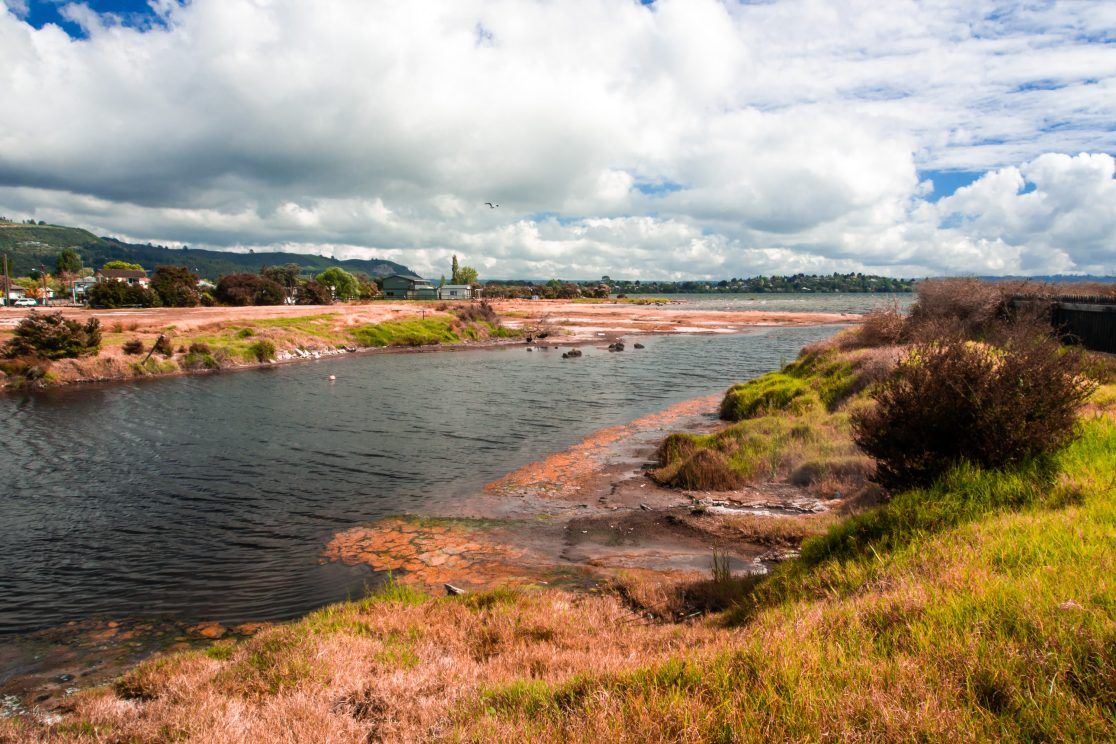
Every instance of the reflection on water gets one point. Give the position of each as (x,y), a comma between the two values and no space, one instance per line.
(211,497)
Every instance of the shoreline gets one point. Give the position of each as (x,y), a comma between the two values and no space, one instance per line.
(565,323)
(577,518)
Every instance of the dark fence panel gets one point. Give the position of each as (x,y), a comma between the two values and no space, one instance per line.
(1087,320)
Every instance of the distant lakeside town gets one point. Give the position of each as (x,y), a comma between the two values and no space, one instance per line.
(58,265)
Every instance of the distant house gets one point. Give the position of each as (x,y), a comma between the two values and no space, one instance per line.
(399,287)
(130,276)
(15,292)
(457,292)
(82,285)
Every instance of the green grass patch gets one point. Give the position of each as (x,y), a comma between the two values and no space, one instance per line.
(771,393)
(407,332)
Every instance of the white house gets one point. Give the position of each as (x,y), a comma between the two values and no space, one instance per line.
(456,292)
(130,276)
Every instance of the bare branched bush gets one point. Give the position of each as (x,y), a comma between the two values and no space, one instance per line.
(947,307)
(881,327)
(481,311)
(955,400)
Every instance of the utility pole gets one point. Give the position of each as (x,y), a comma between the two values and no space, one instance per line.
(7,282)
(42,276)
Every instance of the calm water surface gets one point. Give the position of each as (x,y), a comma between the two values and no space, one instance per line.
(836,302)
(212,497)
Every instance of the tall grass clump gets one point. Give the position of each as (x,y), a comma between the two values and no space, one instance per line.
(262,350)
(953,401)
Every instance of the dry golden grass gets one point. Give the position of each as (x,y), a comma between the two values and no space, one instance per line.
(390,668)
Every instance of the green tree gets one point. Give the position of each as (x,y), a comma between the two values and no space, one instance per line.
(121,294)
(344,285)
(454,271)
(176,286)
(68,262)
(122,265)
(286,276)
(466,275)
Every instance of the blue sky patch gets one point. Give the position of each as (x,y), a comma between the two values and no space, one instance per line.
(130,13)
(658,188)
(947,182)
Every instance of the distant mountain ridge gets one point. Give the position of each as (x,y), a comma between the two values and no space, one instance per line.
(29,246)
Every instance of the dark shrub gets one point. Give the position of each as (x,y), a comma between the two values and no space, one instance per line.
(133,347)
(164,346)
(199,347)
(881,327)
(249,289)
(52,336)
(176,286)
(955,400)
(112,294)
(313,292)
(478,312)
(955,306)
(263,350)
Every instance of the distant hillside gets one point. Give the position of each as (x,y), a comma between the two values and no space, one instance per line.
(28,246)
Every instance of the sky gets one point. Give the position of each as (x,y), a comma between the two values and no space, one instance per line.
(674,139)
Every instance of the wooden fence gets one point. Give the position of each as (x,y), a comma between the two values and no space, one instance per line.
(1086,320)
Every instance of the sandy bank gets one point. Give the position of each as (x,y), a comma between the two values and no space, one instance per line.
(310,332)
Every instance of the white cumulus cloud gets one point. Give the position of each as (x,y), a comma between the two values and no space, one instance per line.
(686,138)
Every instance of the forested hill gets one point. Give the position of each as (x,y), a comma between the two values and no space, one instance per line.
(29,246)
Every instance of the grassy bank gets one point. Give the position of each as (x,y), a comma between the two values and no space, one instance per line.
(980,607)
(229,344)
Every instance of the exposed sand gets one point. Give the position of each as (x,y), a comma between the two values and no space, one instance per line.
(583,320)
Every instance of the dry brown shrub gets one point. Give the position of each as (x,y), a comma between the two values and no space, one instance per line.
(881,327)
(955,400)
(948,307)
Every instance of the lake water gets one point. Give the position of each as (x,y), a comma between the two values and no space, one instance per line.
(212,497)
(836,302)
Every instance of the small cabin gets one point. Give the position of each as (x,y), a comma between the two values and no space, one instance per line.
(400,287)
(456,292)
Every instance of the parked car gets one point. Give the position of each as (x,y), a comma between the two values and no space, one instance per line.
(25,302)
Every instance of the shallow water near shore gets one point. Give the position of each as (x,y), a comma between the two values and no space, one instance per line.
(212,497)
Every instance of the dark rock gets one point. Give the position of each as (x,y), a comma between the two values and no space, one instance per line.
(645,507)
(64,678)
(454,591)
(639,346)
